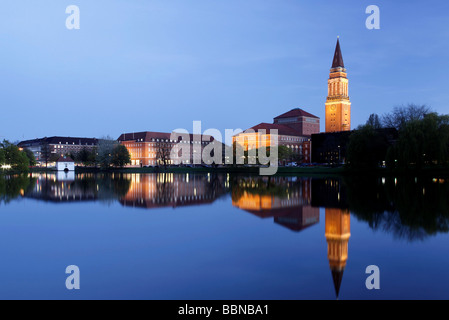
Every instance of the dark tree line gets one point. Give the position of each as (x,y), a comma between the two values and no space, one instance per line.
(109,153)
(14,158)
(422,139)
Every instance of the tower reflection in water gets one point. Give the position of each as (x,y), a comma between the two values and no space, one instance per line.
(292,202)
(337,236)
(288,200)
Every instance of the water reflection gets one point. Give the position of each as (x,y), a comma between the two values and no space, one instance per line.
(134,190)
(12,187)
(285,199)
(65,187)
(410,208)
(173,190)
(338,231)
(289,201)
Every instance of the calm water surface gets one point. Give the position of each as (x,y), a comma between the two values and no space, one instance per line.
(207,236)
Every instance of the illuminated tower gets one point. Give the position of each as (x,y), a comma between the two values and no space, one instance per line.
(337,236)
(338,106)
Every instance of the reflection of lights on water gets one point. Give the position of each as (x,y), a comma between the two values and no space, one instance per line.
(383,180)
(395,181)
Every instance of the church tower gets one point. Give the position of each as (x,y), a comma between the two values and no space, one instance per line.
(337,234)
(338,106)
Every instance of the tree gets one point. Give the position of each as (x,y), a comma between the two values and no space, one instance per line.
(106,146)
(2,156)
(163,152)
(367,148)
(283,153)
(400,116)
(297,157)
(86,157)
(30,156)
(424,141)
(45,152)
(120,156)
(374,121)
(14,157)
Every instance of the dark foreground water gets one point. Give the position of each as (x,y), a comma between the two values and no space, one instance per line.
(191,236)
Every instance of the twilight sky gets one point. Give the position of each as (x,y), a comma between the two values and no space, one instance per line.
(158,65)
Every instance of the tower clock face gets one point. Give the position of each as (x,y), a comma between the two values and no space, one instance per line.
(333,108)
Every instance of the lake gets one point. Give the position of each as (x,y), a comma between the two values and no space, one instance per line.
(223,236)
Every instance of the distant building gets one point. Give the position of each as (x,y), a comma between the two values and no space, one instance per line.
(303,123)
(65,164)
(153,148)
(331,147)
(51,148)
(338,106)
(294,131)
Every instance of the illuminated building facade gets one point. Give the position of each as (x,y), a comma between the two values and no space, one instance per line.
(338,106)
(149,148)
(58,146)
(294,130)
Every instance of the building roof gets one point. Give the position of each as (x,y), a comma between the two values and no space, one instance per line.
(148,136)
(60,140)
(297,112)
(64,159)
(338,57)
(282,129)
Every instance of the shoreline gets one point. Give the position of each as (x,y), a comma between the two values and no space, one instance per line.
(318,170)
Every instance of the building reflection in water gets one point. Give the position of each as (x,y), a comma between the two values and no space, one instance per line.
(174,190)
(285,199)
(62,187)
(135,190)
(330,194)
(68,187)
(291,202)
(294,203)
(337,234)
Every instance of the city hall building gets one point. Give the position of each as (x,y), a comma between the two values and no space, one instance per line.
(294,130)
(154,148)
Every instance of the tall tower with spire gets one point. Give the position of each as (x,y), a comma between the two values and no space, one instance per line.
(337,234)
(338,106)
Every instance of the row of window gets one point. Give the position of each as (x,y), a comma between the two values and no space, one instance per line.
(170,141)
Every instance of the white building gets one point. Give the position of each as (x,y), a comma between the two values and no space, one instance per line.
(65,164)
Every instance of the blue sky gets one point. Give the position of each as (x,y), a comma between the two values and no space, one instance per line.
(138,65)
